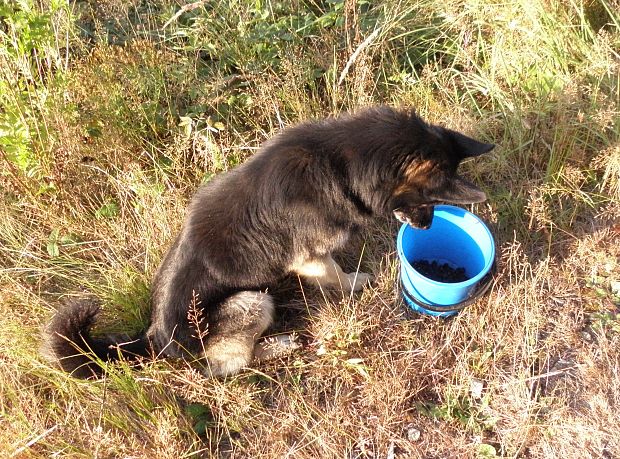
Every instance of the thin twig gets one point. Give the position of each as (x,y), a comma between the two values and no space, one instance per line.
(356,53)
(34,440)
(184,9)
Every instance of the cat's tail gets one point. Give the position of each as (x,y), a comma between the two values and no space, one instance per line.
(67,341)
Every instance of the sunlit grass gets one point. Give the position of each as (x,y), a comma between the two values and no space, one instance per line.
(112,113)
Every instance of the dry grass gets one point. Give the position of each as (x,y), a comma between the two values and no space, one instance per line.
(108,128)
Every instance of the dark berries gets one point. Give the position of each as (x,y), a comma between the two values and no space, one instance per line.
(440,272)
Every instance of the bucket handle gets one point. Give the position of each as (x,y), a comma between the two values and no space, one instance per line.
(483,286)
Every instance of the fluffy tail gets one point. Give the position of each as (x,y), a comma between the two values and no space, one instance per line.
(69,344)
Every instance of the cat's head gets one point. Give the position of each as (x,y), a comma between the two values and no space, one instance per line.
(428,175)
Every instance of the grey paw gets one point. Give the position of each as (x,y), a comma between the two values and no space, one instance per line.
(359,280)
(276,346)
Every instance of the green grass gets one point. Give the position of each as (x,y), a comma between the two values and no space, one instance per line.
(112,113)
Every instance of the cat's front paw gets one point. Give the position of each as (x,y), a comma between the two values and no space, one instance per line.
(359,280)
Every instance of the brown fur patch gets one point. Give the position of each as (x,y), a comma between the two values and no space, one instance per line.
(349,153)
(416,176)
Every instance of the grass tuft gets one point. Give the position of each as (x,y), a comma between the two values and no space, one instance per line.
(111,114)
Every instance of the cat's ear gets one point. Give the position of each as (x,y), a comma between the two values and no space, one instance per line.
(467,146)
(459,191)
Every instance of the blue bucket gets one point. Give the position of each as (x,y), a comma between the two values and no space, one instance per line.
(456,237)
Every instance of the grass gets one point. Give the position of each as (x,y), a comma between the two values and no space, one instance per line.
(112,113)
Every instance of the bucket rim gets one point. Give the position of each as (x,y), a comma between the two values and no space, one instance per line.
(454,210)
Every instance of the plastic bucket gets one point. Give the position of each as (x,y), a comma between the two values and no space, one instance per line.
(456,237)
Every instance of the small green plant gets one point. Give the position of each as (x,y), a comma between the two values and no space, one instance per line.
(56,242)
(604,287)
(602,321)
(201,417)
(32,61)
(462,409)
(109,209)
(486,451)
